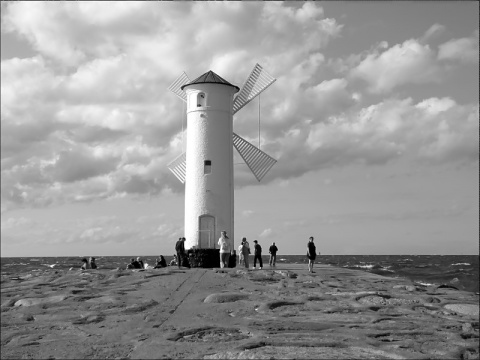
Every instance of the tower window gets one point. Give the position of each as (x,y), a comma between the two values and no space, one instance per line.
(201,99)
(207,167)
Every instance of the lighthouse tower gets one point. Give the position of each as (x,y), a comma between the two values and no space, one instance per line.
(209,160)
(206,167)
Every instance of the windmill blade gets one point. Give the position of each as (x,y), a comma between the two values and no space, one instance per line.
(179,167)
(257,161)
(175,87)
(257,81)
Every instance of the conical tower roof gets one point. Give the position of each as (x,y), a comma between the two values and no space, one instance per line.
(210,78)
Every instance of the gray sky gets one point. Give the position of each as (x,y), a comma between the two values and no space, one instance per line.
(373,119)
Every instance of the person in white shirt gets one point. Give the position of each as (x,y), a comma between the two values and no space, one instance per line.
(240,254)
(224,244)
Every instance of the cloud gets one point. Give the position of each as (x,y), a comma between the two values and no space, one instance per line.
(78,31)
(93,231)
(12,222)
(433,32)
(409,62)
(115,234)
(464,49)
(434,106)
(385,131)
(72,166)
(267,233)
(89,117)
(385,68)
(435,130)
(247,213)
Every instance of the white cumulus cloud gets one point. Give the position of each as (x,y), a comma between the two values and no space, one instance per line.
(463,49)
(409,62)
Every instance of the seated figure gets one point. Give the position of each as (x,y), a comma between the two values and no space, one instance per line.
(174,260)
(134,264)
(160,262)
(85,264)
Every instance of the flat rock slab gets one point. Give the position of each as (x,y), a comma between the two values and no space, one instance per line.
(40,301)
(280,313)
(225,297)
(295,352)
(467,309)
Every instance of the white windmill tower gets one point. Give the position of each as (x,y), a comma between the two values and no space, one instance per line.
(206,167)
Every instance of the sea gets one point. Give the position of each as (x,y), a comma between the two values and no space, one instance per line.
(458,271)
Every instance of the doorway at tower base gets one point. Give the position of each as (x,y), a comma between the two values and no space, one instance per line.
(208,258)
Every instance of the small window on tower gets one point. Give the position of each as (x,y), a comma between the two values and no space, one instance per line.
(200,99)
(207,169)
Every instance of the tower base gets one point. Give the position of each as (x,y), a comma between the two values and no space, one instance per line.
(208,258)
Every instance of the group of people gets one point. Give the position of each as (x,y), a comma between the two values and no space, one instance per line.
(88,264)
(244,252)
(138,263)
(180,258)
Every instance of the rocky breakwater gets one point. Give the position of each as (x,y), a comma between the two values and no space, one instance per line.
(280,313)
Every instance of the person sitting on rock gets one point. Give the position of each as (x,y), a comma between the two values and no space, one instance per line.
(140,262)
(85,264)
(92,263)
(134,264)
(173,262)
(160,263)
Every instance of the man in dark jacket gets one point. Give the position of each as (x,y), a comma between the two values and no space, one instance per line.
(311,254)
(180,249)
(273,254)
(257,255)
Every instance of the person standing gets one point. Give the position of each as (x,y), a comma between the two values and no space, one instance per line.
(224,245)
(246,252)
(311,254)
(92,263)
(180,249)
(273,254)
(240,254)
(257,255)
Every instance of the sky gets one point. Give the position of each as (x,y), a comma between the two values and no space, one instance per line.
(373,118)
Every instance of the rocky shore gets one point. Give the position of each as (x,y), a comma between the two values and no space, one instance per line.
(280,313)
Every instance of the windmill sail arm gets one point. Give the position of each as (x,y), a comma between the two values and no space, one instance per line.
(257,82)
(176,86)
(179,167)
(257,161)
